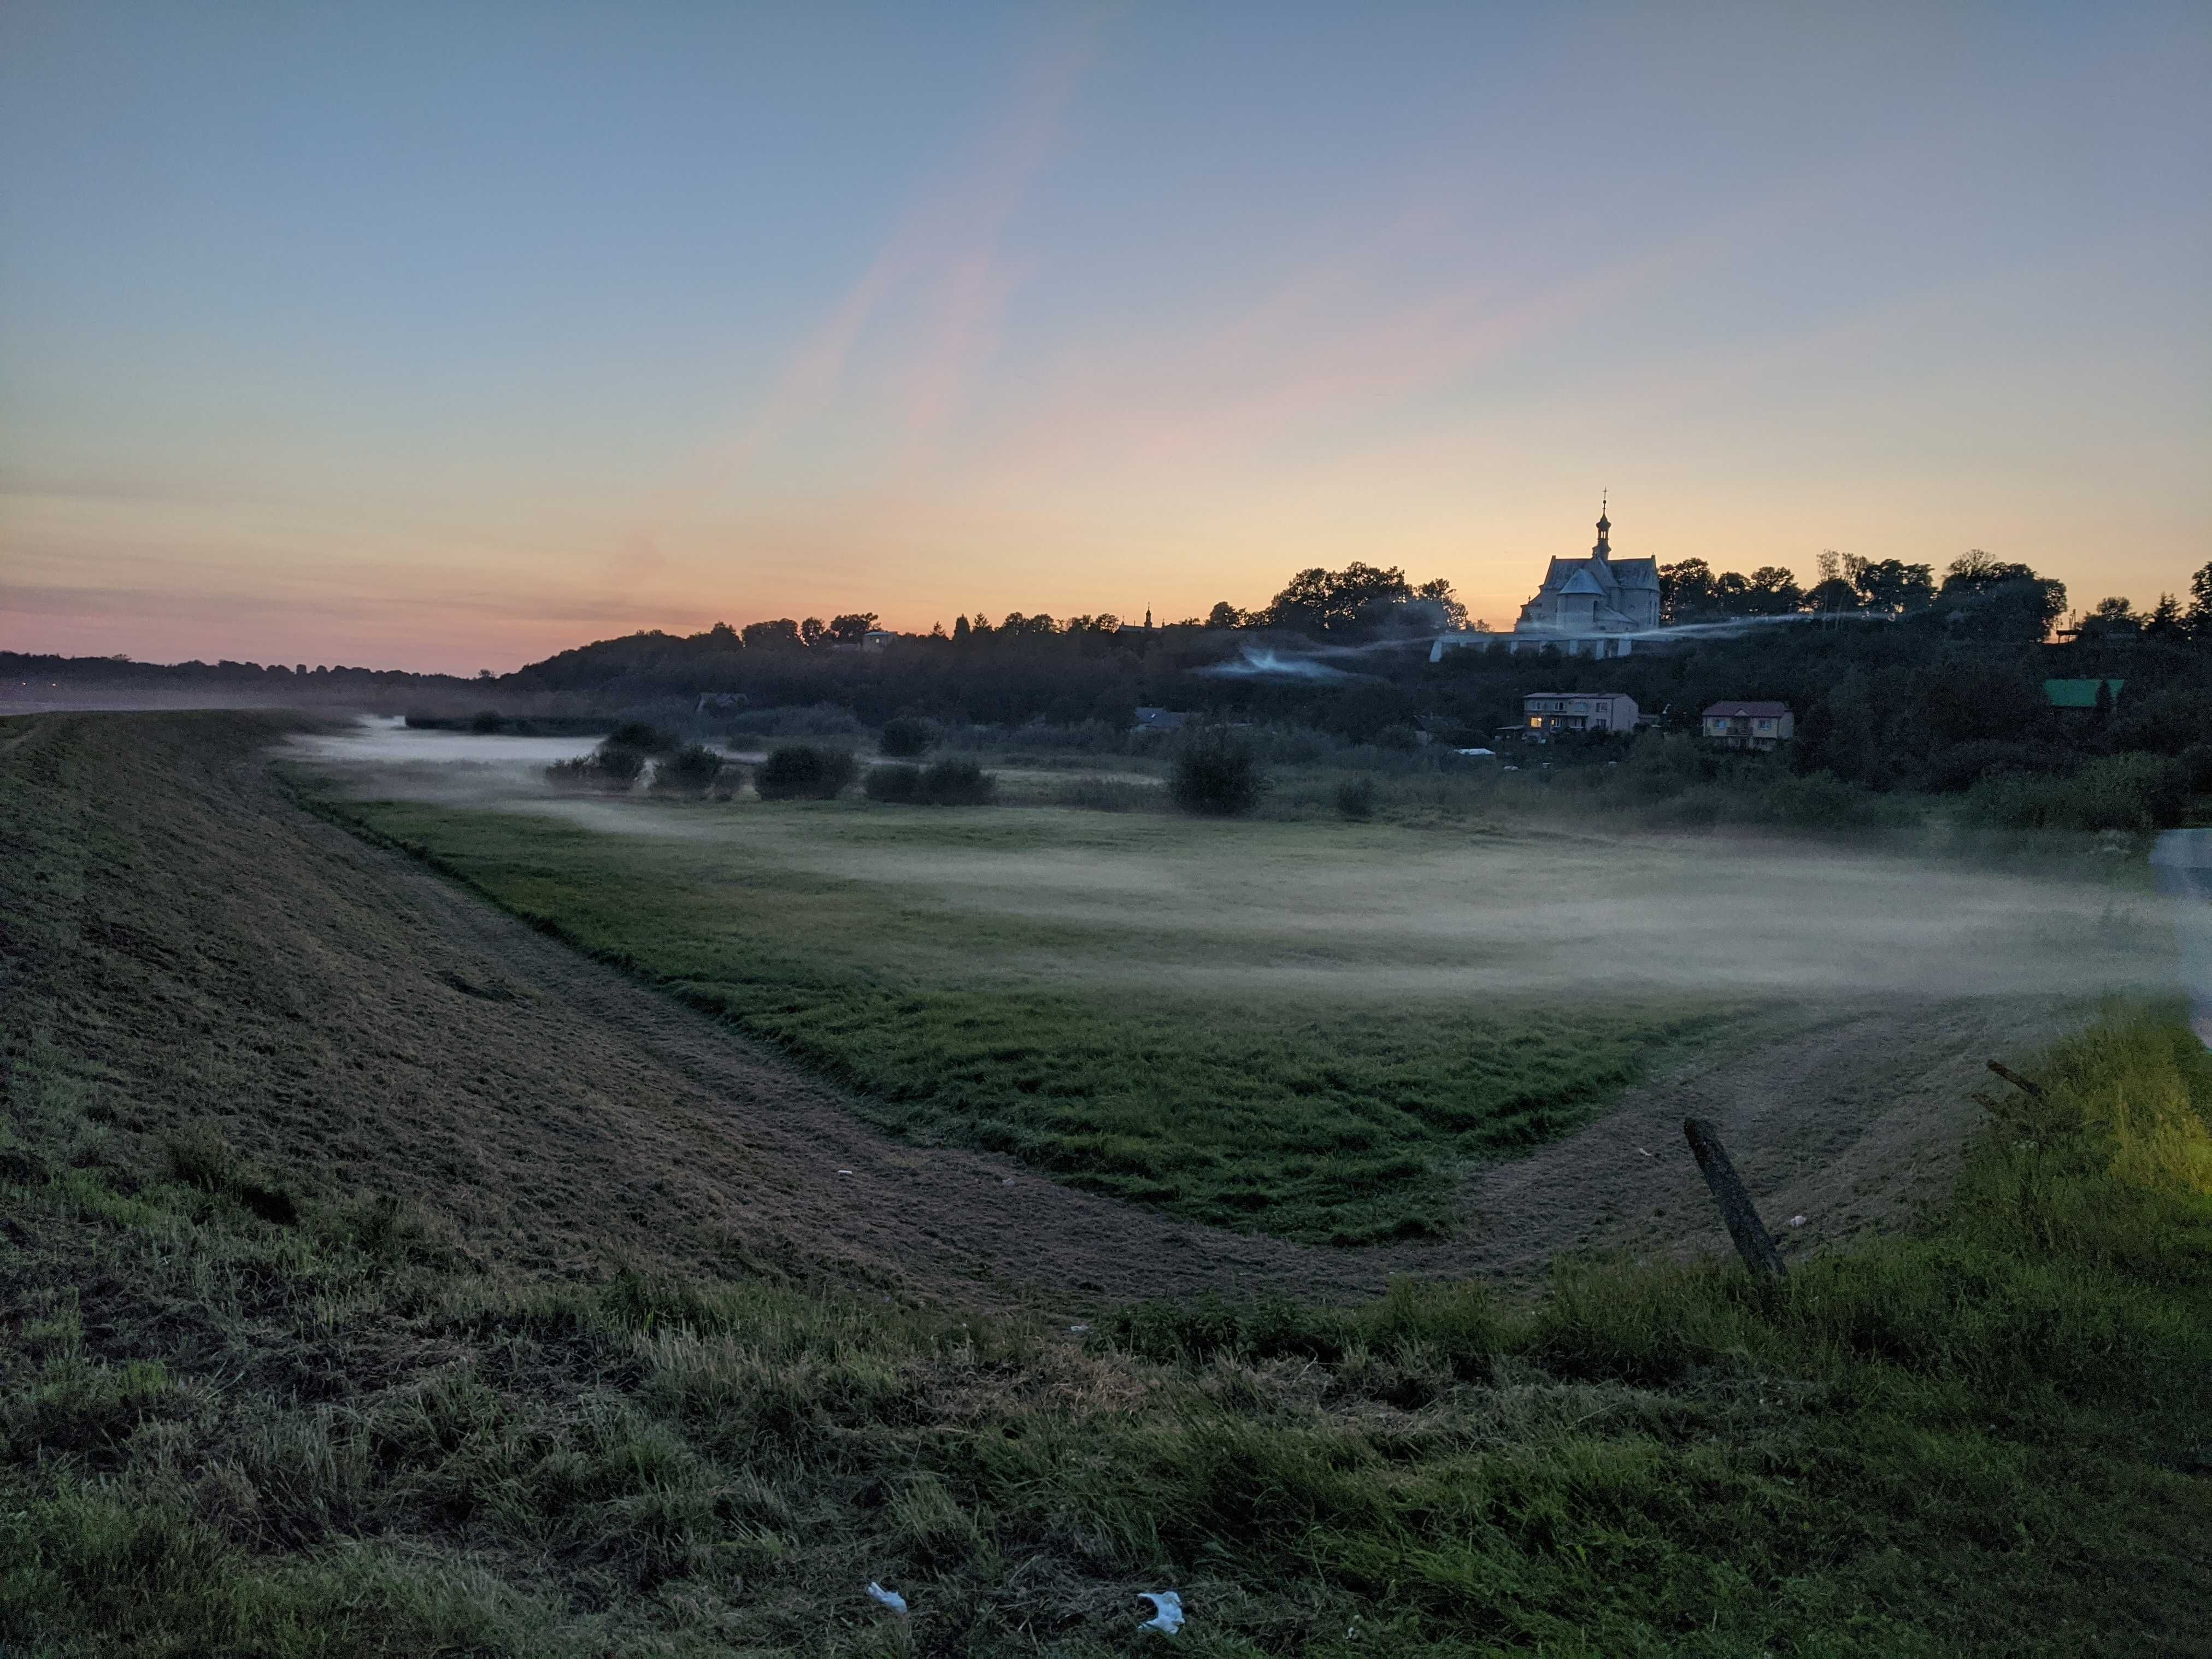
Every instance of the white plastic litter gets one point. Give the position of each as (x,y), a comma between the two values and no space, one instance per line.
(1079,1330)
(844,1172)
(890,1599)
(1167,1611)
(1796,1220)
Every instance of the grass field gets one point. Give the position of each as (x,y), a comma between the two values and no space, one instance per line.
(1092,993)
(245,1409)
(1306,1028)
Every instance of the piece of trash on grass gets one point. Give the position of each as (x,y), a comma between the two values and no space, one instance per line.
(1796,1220)
(844,1172)
(1079,1330)
(1167,1611)
(1646,1150)
(1008,1182)
(890,1599)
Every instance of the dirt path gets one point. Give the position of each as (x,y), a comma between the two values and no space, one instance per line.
(344,1012)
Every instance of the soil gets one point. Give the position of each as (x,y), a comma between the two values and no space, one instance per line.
(385,1030)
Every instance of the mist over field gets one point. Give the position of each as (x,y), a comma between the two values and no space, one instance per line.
(1363,912)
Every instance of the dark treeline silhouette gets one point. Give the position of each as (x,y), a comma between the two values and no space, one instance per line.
(1899,677)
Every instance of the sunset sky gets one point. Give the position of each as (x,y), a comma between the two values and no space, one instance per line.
(447,337)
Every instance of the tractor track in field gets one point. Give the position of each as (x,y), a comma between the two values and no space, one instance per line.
(391,1030)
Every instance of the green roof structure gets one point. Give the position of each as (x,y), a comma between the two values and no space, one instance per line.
(2078,694)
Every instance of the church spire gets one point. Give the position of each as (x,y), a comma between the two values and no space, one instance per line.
(1604,530)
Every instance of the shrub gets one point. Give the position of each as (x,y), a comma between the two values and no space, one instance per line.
(690,771)
(796,771)
(1355,799)
(488,720)
(610,767)
(899,784)
(904,736)
(1217,774)
(2117,792)
(955,781)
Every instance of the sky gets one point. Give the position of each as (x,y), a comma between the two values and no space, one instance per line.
(445,336)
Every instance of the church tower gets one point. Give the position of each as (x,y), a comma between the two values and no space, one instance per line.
(1604,548)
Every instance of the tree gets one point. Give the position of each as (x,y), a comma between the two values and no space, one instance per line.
(1224,615)
(767,636)
(959,628)
(1889,587)
(1833,596)
(1686,590)
(1772,591)
(2111,619)
(1984,597)
(1358,596)
(2198,617)
(2164,621)
(811,630)
(1439,596)
(853,628)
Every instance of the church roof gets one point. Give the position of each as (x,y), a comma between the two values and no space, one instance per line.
(1583,582)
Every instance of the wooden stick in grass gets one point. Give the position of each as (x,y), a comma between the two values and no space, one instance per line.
(1753,1242)
(2015,1078)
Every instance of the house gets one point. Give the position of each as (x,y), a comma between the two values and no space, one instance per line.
(877,638)
(1160,720)
(1749,725)
(1544,713)
(2079,694)
(1597,606)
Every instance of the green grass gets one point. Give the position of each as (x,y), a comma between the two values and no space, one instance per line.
(335,1433)
(961,978)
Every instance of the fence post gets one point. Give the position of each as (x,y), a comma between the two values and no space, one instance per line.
(1753,1242)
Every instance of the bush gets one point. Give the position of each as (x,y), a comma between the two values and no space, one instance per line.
(487,721)
(904,736)
(955,781)
(611,767)
(801,771)
(897,784)
(1355,799)
(1217,774)
(2140,793)
(689,771)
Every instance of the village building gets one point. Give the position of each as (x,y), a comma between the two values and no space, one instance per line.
(1597,606)
(1544,713)
(1748,725)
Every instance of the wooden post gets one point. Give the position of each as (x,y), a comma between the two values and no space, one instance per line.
(1753,1242)
(2015,1078)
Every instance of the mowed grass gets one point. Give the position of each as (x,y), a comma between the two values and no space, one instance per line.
(245,1408)
(1059,986)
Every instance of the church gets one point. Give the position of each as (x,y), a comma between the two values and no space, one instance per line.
(1589,607)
